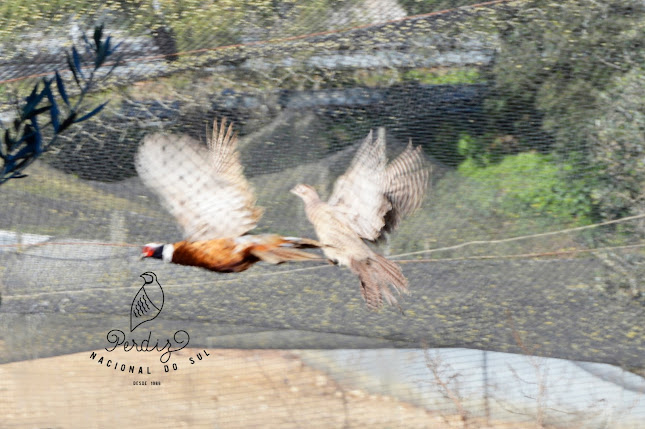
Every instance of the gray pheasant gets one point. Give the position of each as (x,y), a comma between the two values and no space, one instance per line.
(367,202)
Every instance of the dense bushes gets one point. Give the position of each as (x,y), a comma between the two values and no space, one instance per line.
(530,184)
(616,137)
(578,66)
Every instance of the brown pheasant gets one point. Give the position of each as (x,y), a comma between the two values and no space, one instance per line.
(206,191)
(367,202)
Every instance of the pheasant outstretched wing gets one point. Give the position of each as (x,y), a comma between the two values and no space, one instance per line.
(407,181)
(225,159)
(359,194)
(203,188)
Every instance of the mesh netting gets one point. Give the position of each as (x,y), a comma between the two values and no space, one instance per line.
(530,114)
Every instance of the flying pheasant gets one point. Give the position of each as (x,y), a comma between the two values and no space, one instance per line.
(367,202)
(206,191)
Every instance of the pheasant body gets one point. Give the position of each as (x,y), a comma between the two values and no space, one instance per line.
(204,188)
(233,255)
(342,242)
(367,202)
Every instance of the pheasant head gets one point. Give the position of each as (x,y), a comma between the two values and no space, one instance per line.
(306,192)
(158,251)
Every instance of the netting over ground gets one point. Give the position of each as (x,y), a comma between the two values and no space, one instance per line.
(530,239)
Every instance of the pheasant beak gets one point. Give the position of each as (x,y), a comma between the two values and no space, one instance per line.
(299,190)
(146,252)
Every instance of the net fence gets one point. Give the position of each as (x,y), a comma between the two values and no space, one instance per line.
(529,240)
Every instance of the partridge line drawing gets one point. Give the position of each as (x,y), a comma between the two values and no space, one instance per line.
(148,302)
(368,202)
(204,188)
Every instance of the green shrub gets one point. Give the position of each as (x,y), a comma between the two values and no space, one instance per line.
(443,76)
(531,184)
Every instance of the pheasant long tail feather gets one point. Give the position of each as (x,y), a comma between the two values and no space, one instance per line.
(301,243)
(390,273)
(278,255)
(369,286)
(376,274)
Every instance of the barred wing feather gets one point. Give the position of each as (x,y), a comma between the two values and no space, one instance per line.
(224,157)
(358,195)
(208,201)
(407,179)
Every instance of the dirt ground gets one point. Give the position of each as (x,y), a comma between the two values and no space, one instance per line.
(227,389)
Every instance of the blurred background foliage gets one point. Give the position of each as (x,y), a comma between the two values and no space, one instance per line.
(561,61)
